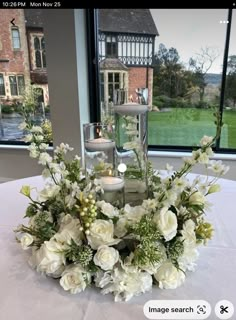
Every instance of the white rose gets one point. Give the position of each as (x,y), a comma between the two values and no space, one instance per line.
(48,261)
(108,209)
(188,233)
(197,198)
(106,257)
(75,279)
(166,222)
(169,277)
(48,192)
(26,240)
(101,232)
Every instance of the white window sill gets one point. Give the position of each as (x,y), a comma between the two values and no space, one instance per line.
(16,147)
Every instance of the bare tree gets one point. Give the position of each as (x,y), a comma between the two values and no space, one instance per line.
(200,65)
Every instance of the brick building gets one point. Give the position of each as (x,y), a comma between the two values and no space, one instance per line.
(22,54)
(14,57)
(126,49)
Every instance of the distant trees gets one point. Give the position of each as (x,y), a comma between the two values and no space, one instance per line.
(230,90)
(173,80)
(170,77)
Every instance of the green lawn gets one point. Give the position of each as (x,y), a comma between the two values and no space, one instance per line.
(186,127)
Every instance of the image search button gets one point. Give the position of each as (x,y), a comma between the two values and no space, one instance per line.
(177,309)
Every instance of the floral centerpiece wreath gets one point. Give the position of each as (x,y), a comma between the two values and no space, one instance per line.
(80,240)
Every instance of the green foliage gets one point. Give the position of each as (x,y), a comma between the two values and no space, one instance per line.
(7,109)
(145,230)
(31,210)
(147,254)
(174,249)
(74,169)
(82,254)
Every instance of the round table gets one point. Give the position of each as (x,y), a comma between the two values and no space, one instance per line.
(27,295)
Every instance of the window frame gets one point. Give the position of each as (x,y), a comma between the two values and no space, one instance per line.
(39,51)
(13,38)
(2,85)
(16,83)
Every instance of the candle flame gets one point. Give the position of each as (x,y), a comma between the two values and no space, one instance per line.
(99,132)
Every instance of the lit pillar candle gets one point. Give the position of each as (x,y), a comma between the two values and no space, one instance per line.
(99,144)
(109,183)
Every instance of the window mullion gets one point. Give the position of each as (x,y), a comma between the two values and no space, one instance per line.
(225,63)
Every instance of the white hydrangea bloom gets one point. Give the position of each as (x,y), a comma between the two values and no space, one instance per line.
(124,284)
(169,277)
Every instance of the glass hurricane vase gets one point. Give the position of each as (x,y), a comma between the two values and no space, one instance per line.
(131,149)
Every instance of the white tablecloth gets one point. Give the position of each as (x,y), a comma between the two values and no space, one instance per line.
(27,295)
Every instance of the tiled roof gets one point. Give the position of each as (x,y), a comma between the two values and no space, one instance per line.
(137,21)
(112,64)
(33,18)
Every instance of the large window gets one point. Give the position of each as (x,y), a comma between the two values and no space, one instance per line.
(2,85)
(23,73)
(17,85)
(39,51)
(15,38)
(229,107)
(178,67)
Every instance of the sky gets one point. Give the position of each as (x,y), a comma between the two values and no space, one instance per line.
(189,30)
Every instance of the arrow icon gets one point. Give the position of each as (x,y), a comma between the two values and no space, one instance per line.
(12,22)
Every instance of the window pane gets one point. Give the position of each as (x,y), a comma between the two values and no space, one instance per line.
(21,85)
(36,43)
(110,77)
(25,71)
(2,86)
(44,59)
(117,77)
(174,67)
(13,86)
(42,43)
(38,59)
(229,113)
(16,38)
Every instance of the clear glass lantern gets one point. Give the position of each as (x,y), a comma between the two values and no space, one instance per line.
(99,148)
(131,149)
(112,189)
